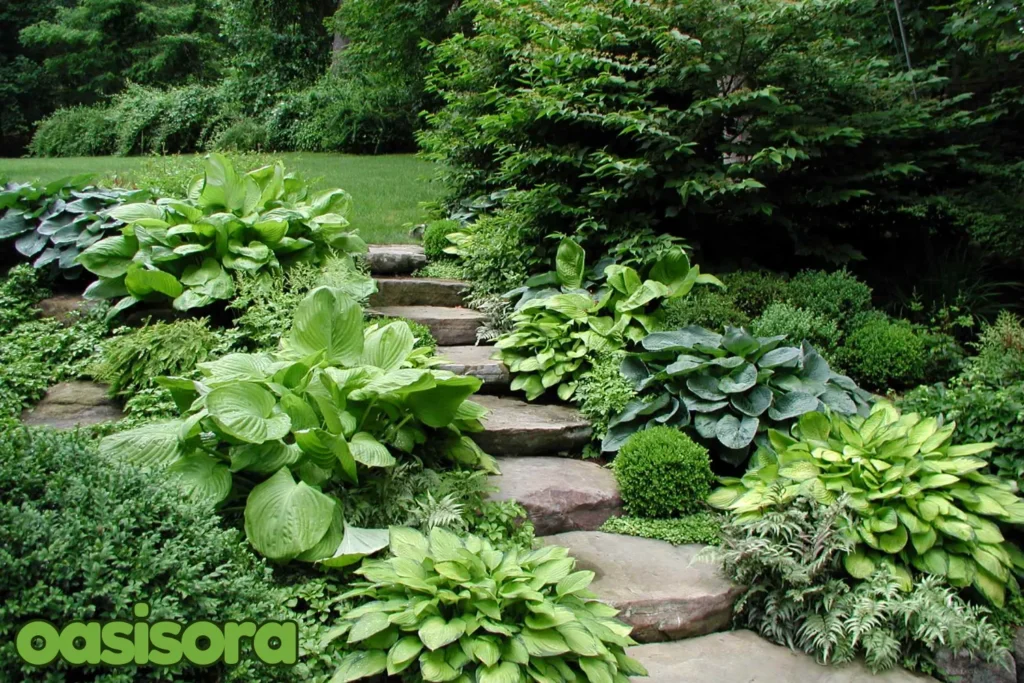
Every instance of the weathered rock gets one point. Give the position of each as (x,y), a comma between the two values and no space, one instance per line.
(962,668)
(1018,653)
(515,428)
(560,494)
(61,306)
(418,291)
(661,592)
(450,326)
(73,404)
(395,259)
(476,361)
(745,657)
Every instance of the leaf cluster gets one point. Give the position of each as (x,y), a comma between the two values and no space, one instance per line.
(277,428)
(918,501)
(445,608)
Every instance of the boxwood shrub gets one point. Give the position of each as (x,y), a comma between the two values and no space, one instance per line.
(663,473)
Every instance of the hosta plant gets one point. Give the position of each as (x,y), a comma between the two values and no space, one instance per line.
(920,502)
(451,609)
(728,387)
(188,249)
(282,432)
(564,318)
(53,223)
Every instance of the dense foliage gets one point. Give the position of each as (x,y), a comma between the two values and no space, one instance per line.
(701,527)
(445,607)
(920,502)
(85,538)
(662,473)
(790,559)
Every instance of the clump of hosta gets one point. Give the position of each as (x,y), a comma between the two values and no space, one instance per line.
(727,386)
(919,502)
(451,609)
(284,431)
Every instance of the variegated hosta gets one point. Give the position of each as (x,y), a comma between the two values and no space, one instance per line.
(278,428)
(448,609)
(727,386)
(921,502)
(563,319)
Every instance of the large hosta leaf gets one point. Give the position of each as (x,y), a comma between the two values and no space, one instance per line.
(110,257)
(202,477)
(793,404)
(328,321)
(388,347)
(735,433)
(570,262)
(356,544)
(284,518)
(245,411)
(152,445)
(436,407)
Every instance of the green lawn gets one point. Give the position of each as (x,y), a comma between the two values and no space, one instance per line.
(387,190)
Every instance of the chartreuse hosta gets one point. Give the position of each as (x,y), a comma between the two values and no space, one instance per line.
(284,431)
(562,318)
(448,609)
(187,249)
(921,502)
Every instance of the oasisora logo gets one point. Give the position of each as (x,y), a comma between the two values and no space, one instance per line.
(161,643)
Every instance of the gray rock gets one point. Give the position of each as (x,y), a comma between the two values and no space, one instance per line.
(417,291)
(450,326)
(659,589)
(515,428)
(476,361)
(1018,653)
(962,668)
(560,494)
(745,657)
(73,404)
(61,306)
(395,259)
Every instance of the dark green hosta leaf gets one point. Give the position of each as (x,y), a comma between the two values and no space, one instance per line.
(736,433)
(699,406)
(706,425)
(30,243)
(740,380)
(705,387)
(685,364)
(793,404)
(754,402)
(782,356)
(838,400)
(737,341)
(14,223)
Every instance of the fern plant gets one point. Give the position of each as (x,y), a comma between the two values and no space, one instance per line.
(798,595)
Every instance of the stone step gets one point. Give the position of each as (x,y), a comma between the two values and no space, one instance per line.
(61,306)
(476,361)
(516,428)
(658,588)
(73,404)
(450,326)
(560,494)
(418,291)
(395,259)
(745,657)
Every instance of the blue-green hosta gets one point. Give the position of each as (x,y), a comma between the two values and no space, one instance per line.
(187,249)
(921,502)
(729,387)
(564,318)
(286,430)
(451,609)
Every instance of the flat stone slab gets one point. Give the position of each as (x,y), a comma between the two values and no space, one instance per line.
(745,657)
(517,428)
(450,326)
(73,404)
(658,588)
(61,306)
(560,494)
(395,259)
(476,361)
(418,291)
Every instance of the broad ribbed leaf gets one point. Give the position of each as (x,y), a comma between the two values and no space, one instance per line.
(245,411)
(370,452)
(754,402)
(328,321)
(202,477)
(152,445)
(360,664)
(781,356)
(680,340)
(436,632)
(141,282)
(570,262)
(436,407)
(739,380)
(735,433)
(356,544)
(110,257)
(389,346)
(403,653)
(284,518)
(792,404)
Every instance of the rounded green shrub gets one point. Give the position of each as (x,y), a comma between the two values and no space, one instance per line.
(755,290)
(838,295)
(883,353)
(704,307)
(74,132)
(83,537)
(663,473)
(435,238)
(799,324)
(246,135)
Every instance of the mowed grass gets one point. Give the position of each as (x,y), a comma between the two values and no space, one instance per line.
(386,190)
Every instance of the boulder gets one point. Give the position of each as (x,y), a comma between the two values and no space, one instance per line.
(418,291)
(73,404)
(962,668)
(395,259)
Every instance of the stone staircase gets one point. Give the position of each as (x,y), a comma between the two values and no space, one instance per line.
(678,607)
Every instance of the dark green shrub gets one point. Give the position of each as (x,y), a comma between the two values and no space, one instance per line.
(663,473)
(19,292)
(83,537)
(883,353)
(496,251)
(837,295)
(1000,347)
(704,307)
(700,527)
(246,135)
(132,361)
(799,324)
(435,239)
(75,132)
(755,290)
